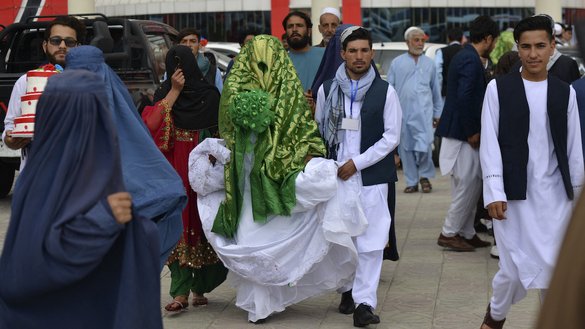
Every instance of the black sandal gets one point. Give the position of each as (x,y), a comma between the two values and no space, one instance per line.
(490,322)
(411,189)
(425,185)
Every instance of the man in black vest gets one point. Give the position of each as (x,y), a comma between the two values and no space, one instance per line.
(532,164)
(444,56)
(359,117)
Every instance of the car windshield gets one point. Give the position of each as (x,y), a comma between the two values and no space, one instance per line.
(383,58)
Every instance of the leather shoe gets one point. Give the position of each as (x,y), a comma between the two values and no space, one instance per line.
(363,316)
(476,242)
(346,306)
(455,243)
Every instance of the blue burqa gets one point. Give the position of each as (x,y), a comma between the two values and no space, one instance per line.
(331,60)
(156,188)
(66,262)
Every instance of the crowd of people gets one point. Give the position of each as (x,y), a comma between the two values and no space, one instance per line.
(282,178)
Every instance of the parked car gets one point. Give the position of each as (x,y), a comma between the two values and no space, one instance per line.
(575,54)
(230,49)
(135,49)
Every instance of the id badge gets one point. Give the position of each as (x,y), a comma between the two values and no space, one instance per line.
(350,124)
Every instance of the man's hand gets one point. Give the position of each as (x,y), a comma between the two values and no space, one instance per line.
(121,205)
(497,209)
(474,141)
(15,143)
(309,97)
(435,122)
(347,170)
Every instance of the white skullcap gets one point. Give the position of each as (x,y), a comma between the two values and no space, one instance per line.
(347,32)
(411,30)
(558,30)
(331,10)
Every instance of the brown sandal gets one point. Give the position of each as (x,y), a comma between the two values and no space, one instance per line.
(425,185)
(177,305)
(411,189)
(490,322)
(199,301)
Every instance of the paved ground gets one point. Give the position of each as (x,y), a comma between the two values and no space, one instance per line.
(428,287)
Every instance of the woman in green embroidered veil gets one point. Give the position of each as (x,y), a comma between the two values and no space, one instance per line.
(274,217)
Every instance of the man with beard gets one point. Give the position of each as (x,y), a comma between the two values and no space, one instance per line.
(306,59)
(460,128)
(415,79)
(62,34)
(360,123)
(328,21)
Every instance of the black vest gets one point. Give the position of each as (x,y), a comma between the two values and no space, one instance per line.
(513,131)
(372,129)
(448,54)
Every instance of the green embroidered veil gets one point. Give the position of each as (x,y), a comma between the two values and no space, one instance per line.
(263,78)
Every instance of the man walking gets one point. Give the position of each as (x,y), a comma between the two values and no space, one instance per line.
(415,79)
(329,20)
(306,59)
(62,34)
(354,100)
(532,164)
(444,56)
(460,126)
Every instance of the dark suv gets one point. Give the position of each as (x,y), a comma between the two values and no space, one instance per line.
(135,49)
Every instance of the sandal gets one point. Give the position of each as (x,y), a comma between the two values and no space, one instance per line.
(177,305)
(411,189)
(425,185)
(199,301)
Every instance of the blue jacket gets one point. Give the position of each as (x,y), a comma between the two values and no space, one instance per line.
(466,86)
(579,86)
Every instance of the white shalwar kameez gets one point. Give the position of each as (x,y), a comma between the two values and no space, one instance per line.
(530,238)
(370,245)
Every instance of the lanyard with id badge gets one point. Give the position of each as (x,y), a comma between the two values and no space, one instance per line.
(351,123)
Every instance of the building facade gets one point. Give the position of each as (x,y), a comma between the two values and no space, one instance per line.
(222,20)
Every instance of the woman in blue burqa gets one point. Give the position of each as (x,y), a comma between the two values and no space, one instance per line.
(270,204)
(75,254)
(157,191)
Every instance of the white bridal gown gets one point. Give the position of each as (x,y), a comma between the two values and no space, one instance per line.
(288,258)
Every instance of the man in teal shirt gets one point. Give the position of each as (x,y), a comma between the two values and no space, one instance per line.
(305,58)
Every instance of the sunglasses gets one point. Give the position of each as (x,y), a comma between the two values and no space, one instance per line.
(69,42)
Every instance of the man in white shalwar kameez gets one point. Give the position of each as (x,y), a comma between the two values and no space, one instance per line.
(532,164)
(416,81)
(356,98)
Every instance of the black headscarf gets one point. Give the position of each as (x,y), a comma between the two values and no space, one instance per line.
(198,104)
(66,262)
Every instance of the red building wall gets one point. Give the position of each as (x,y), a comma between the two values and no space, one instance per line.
(9,9)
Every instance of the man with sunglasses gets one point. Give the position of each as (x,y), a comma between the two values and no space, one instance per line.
(62,34)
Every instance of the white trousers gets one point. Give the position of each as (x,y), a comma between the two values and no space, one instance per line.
(367,277)
(507,287)
(465,192)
